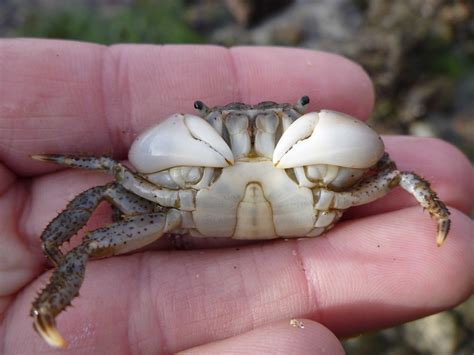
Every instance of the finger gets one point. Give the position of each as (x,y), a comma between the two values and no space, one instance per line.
(366,274)
(19,263)
(279,338)
(71,97)
(60,96)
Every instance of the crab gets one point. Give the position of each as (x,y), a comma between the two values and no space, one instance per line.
(237,171)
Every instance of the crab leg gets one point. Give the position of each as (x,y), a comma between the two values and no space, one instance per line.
(78,211)
(132,182)
(117,238)
(378,185)
(427,198)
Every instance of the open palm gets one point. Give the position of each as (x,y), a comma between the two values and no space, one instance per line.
(378,269)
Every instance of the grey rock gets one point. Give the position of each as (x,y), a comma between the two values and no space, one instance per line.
(435,335)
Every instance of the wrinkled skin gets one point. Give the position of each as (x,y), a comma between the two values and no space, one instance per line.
(378,269)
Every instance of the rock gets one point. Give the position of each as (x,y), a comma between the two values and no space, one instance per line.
(436,335)
(311,24)
(250,12)
(422,129)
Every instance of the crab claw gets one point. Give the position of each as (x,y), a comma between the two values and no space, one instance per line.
(328,137)
(45,326)
(180,140)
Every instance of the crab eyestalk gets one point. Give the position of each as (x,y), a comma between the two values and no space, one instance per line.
(301,104)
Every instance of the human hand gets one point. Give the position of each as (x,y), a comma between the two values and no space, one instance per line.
(373,271)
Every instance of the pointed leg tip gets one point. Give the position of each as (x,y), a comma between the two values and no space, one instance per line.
(444,226)
(45,326)
(440,239)
(47,157)
(40,157)
(55,340)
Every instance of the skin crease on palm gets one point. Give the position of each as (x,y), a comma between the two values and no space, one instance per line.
(378,267)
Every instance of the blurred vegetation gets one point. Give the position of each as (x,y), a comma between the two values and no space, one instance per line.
(144,21)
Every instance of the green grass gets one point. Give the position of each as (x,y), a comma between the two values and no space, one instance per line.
(145,21)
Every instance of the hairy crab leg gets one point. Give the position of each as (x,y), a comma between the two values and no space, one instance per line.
(76,214)
(427,198)
(126,204)
(378,185)
(117,238)
(182,199)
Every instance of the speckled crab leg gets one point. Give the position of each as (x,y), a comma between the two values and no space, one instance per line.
(182,199)
(79,210)
(378,185)
(117,238)
(429,200)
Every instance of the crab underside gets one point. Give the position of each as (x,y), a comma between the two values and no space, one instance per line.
(239,171)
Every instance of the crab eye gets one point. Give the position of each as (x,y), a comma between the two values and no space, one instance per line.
(180,140)
(330,138)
